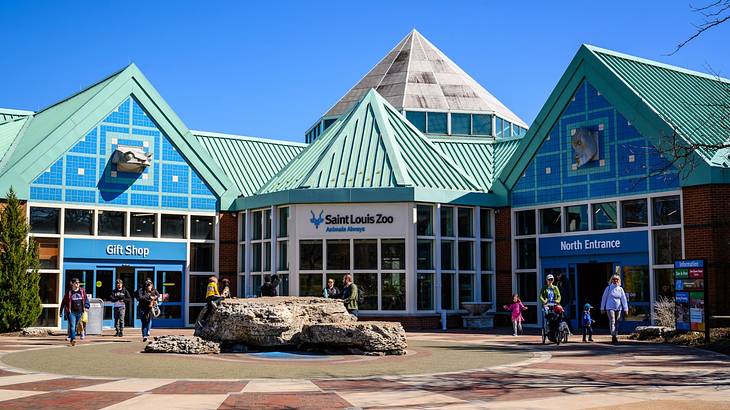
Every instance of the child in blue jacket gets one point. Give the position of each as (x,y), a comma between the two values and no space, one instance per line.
(587,322)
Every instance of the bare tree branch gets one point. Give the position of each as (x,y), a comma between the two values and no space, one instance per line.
(714,14)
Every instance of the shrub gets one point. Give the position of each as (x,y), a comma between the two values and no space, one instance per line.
(664,312)
(20,302)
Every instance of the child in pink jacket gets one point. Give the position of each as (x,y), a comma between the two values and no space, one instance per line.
(516,307)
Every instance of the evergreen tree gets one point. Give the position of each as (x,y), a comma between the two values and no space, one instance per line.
(20,302)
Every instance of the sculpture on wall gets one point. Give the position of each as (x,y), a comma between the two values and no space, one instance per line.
(585,145)
(131,159)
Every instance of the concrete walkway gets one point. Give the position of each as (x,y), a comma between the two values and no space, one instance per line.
(573,376)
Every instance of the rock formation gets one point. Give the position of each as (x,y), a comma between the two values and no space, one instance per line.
(369,337)
(182,345)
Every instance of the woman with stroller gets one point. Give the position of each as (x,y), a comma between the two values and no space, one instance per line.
(612,303)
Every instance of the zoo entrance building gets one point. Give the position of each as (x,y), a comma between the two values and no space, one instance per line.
(418,182)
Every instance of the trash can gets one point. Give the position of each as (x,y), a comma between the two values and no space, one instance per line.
(96,316)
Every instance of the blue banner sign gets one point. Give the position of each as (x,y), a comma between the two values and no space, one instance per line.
(611,243)
(123,249)
(686,264)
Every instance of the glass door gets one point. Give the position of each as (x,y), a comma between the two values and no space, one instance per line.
(128,277)
(169,282)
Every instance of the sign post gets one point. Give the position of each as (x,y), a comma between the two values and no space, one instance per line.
(690,297)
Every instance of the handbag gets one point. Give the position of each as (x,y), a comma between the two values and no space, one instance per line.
(85,317)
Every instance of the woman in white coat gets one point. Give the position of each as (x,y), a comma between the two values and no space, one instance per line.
(612,303)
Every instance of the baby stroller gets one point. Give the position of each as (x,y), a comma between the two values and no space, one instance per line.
(554,327)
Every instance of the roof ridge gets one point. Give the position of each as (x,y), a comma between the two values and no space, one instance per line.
(15,111)
(600,50)
(213,134)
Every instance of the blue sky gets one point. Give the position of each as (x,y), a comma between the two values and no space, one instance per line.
(270,69)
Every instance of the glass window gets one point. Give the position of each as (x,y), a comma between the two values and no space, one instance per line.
(485,253)
(338,254)
(466,288)
(48,286)
(366,254)
(256,257)
(634,213)
(667,246)
(498,127)
(310,255)
(636,283)
(393,252)
(198,287)
(256,285)
(506,133)
(256,231)
(461,124)
(47,318)
(465,219)
(283,222)
(481,124)
(486,288)
(310,284)
(284,285)
(604,216)
(527,285)
(667,210)
(173,226)
(201,257)
(424,286)
(267,224)
(283,255)
(550,220)
(202,227)
(47,252)
(526,253)
(448,291)
(78,221)
(466,255)
(447,221)
(525,224)
(111,223)
(664,282)
(576,218)
(266,261)
(485,223)
(447,255)
(436,123)
(143,225)
(424,220)
(418,119)
(424,254)
(44,220)
(393,291)
(367,283)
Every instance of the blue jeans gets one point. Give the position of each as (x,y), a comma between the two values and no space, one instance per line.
(73,320)
(146,318)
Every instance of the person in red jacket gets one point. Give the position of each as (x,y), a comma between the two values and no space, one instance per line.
(73,306)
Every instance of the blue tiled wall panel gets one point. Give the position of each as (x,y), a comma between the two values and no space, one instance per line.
(85,174)
(611,175)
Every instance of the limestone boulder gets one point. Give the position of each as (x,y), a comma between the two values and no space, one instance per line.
(34,332)
(182,345)
(370,337)
(268,321)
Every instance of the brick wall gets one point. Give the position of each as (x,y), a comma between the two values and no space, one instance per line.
(707,236)
(228,251)
(503,262)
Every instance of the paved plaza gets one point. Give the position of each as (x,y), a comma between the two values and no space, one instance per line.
(524,375)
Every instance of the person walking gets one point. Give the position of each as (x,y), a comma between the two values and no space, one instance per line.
(74,304)
(147,296)
(587,322)
(350,295)
(549,293)
(613,303)
(331,292)
(119,298)
(516,308)
(270,284)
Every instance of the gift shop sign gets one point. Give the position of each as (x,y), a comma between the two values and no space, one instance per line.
(319,220)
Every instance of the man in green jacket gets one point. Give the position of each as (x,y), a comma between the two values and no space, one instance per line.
(550,293)
(349,295)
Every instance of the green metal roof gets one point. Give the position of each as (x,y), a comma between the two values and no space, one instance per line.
(503,152)
(53,130)
(658,99)
(474,155)
(694,104)
(249,162)
(372,146)
(9,131)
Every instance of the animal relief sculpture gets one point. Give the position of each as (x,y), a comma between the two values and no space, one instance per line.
(131,159)
(585,145)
